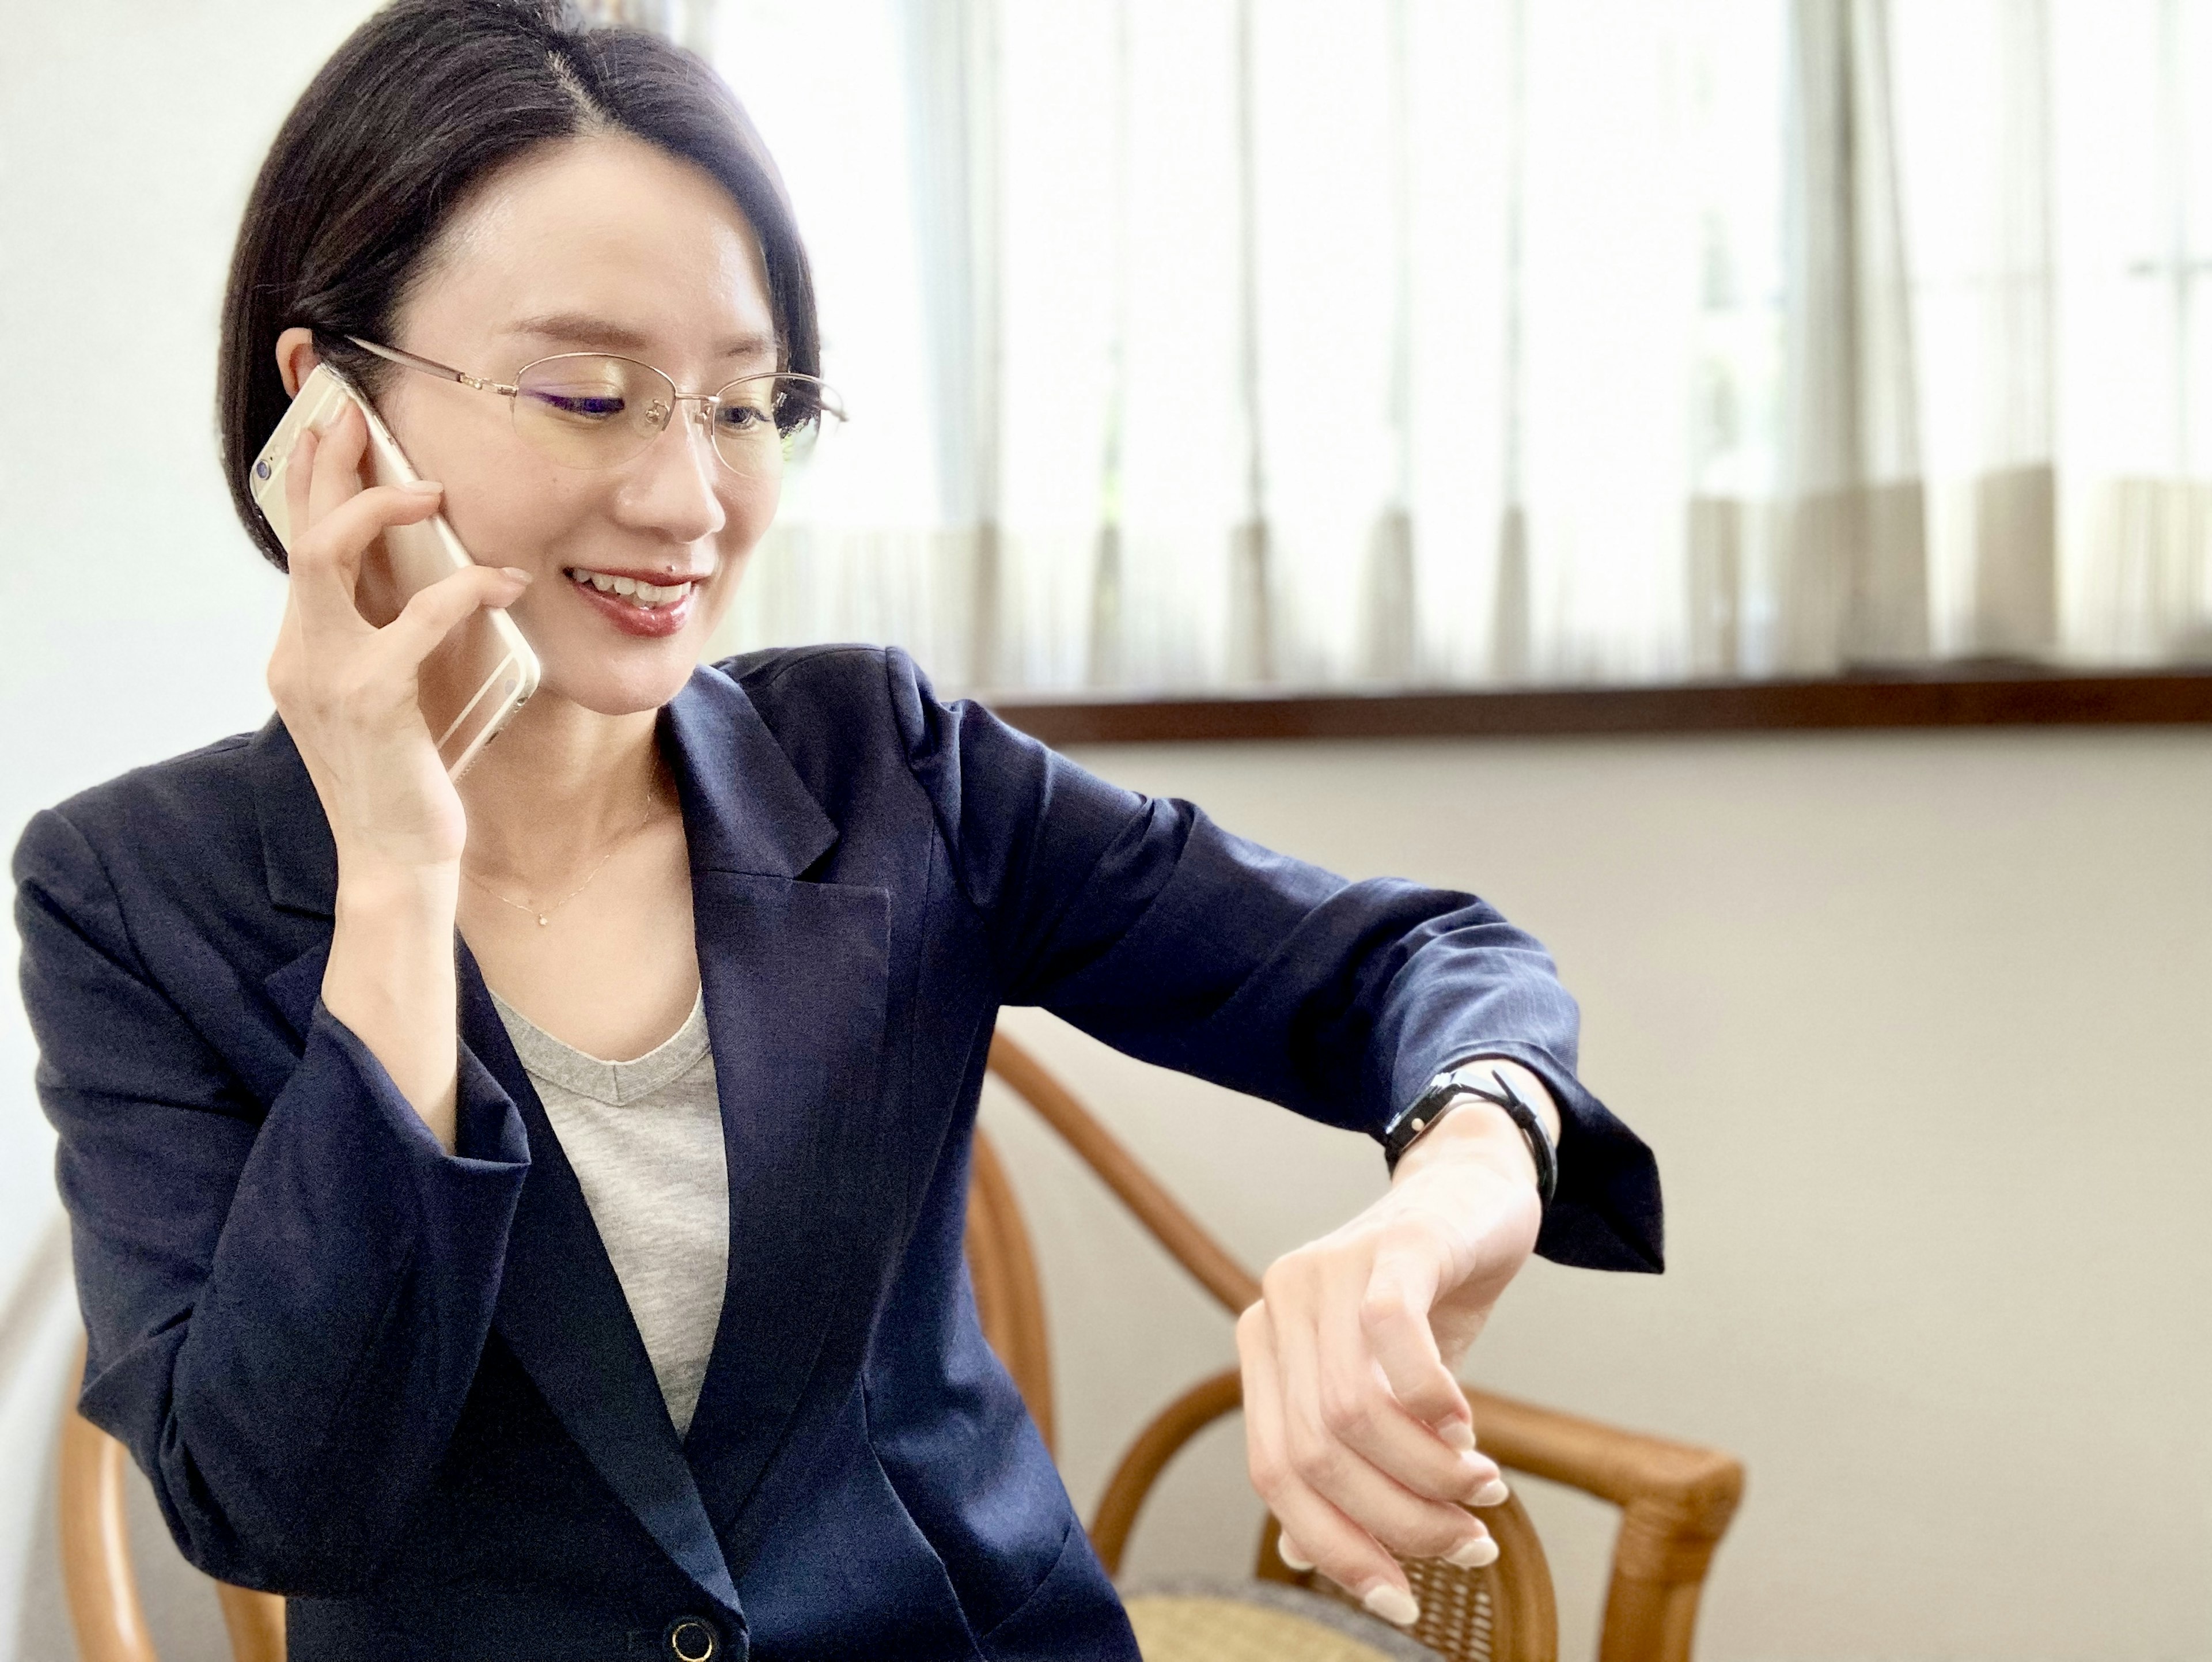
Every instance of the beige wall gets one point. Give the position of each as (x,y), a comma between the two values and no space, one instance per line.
(1917,1024)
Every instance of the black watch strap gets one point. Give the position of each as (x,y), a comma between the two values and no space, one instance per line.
(1455,1085)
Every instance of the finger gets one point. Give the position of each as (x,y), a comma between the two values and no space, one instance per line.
(343,440)
(1332,1393)
(431,615)
(1381,1509)
(1314,1532)
(326,560)
(1361,1410)
(297,475)
(333,474)
(1394,1322)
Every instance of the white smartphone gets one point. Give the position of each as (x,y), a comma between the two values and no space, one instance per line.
(481,673)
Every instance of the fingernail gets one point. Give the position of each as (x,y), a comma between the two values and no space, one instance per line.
(1492,1494)
(1458,1434)
(519,573)
(1393,1605)
(423,487)
(1287,1550)
(1474,1554)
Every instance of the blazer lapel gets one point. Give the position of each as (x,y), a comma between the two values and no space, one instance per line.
(562,1312)
(796,976)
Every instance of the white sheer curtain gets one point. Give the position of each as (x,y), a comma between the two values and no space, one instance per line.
(1202,343)
(2060,234)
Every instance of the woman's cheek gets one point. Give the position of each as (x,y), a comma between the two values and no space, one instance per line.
(715,603)
(751,515)
(536,525)
(747,523)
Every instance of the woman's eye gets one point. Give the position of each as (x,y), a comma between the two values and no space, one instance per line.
(742,417)
(584,406)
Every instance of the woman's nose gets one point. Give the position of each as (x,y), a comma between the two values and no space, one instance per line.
(674,487)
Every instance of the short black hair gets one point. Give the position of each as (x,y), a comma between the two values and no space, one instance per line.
(422,101)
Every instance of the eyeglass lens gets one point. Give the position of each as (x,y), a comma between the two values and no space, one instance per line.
(588,410)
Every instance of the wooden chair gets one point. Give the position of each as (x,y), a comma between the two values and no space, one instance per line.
(102,1588)
(1676,1500)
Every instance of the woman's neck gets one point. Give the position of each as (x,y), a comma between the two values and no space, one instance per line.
(559,786)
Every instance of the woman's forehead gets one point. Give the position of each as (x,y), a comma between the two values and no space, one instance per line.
(604,234)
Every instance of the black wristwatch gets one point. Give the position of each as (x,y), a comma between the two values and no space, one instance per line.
(1454,1086)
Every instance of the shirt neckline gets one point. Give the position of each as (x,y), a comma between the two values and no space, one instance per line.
(618,1084)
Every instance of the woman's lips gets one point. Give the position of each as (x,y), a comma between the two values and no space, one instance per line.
(652,622)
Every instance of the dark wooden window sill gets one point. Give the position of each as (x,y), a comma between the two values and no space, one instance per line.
(2005,697)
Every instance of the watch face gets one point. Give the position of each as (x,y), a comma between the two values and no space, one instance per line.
(1417,1118)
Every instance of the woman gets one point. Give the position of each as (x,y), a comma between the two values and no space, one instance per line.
(475,1344)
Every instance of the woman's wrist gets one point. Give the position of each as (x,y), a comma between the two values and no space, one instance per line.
(391,942)
(1473,1129)
(374,885)
(391,978)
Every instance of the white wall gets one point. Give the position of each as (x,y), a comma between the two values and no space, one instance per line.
(1913,1021)
(135,618)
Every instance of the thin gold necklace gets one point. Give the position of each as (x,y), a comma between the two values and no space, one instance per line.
(545,918)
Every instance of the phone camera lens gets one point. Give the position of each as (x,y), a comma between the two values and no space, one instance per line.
(261,468)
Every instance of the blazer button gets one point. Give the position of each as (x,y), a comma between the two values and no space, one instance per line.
(693,1638)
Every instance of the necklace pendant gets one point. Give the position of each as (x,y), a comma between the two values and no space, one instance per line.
(542,921)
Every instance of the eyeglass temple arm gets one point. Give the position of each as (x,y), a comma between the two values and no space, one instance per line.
(830,404)
(409,361)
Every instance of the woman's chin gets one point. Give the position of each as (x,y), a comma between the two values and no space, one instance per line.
(644,681)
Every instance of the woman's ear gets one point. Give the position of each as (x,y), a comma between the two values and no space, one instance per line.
(296,358)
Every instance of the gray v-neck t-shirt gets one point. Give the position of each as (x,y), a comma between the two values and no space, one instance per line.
(645,1138)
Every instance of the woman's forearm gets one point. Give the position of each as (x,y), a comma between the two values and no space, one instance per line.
(391,979)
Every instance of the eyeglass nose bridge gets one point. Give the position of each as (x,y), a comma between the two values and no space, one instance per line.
(662,411)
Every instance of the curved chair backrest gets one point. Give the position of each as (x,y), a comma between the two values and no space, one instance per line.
(1502,1613)
(1009,1297)
(97,1576)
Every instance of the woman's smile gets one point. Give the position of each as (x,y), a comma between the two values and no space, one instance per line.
(647,603)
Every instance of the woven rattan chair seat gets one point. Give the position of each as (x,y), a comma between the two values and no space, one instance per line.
(1224,1621)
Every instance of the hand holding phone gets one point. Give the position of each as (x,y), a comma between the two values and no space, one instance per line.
(352,687)
(475,678)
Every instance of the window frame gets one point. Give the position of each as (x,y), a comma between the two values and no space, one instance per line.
(1949,696)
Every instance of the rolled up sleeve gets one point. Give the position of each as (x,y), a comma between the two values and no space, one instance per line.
(1144,923)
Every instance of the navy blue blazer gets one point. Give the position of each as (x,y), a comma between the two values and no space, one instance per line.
(403,1387)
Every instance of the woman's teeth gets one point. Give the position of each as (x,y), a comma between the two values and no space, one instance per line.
(638,593)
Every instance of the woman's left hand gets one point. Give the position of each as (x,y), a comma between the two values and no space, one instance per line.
(1358,1435)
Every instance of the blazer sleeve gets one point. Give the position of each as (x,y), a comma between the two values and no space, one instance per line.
(284,1309)
(1142,921)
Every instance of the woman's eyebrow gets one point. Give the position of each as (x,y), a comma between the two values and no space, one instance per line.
(581,329)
